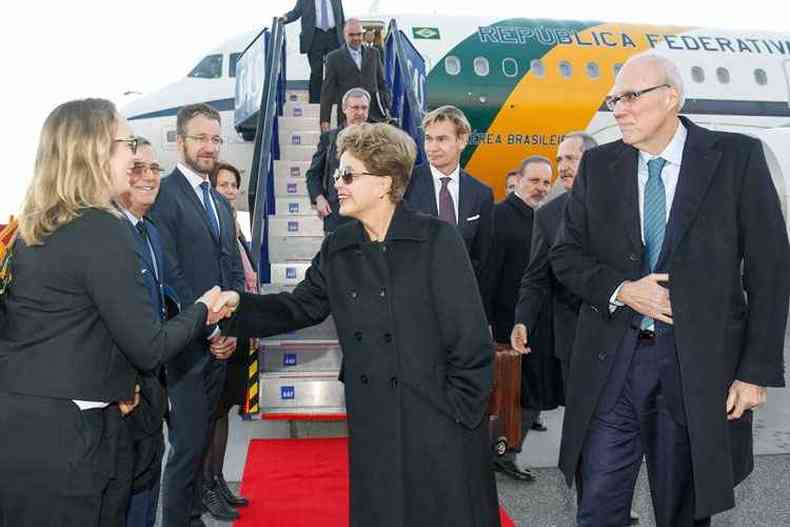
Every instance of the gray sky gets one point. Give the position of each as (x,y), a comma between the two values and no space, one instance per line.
(56,51)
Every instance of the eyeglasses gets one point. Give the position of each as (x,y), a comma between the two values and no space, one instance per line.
(630,97)
(131,141)
(348,175)
(140,169)
(205,139)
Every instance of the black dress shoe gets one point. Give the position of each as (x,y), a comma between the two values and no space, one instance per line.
(216,506)
(232,499)
(538,426)
(507,467)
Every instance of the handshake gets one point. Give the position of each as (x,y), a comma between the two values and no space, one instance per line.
(220,304)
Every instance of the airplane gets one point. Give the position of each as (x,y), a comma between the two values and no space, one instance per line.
(523,83)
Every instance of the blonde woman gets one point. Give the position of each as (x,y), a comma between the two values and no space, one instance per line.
(77,324)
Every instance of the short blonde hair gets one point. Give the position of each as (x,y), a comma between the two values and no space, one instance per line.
(72,170)
(384,150)
(451,114)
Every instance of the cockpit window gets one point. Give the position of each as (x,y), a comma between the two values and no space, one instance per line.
(208,68)
(234,61)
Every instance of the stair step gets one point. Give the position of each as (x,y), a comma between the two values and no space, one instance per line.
(299,137)
(284,249)
(295,226)
(305,394)
(285,168)
(301,357)
(288,273)
(288,187)
(301,109)
(302,124)
(297,153)
(297,96)
(293,206)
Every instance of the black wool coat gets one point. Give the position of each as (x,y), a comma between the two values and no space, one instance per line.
(541,380)
(417,368)
(728,286)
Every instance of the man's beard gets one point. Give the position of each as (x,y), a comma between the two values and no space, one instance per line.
(195,164)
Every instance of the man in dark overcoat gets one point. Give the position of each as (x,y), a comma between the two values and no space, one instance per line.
(675,241)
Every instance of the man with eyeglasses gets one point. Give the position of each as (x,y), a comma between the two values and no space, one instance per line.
(674,240)
(142,444)
(320,182)
(199,238)
(322,32)
(354,66)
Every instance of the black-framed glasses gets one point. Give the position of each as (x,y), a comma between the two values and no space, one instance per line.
(131,141)
(630,97)
(206,139)
(348,175)
(140,169)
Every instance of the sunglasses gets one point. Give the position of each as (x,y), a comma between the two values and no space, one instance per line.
(348,175)
(131,141)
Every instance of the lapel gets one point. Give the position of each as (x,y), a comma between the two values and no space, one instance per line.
(350,59)
(700,161)
(156,245)
(424,192)
(464,198)
(192,197)
(626,186)
(143,251)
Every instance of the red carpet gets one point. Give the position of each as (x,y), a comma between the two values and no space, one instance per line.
(299,483)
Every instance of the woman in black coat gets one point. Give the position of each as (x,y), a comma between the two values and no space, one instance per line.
(77,324)
(417,355)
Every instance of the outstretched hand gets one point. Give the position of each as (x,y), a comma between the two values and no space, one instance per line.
(225,304)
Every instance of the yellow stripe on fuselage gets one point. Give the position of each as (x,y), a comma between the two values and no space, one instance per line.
(544,109)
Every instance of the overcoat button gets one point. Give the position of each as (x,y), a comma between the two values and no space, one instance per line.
(594,308)
(354,294)
(358,336)
(633,257)
(387,337)
(363,379)
(382,293)
(394,382)
(602,356)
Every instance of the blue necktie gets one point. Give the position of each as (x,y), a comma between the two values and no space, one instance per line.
(323,25)
(655,212)
(213,223)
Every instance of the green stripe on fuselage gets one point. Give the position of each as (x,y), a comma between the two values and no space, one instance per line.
(481,98)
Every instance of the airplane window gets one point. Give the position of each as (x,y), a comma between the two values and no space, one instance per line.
(452,65)
(760,77)
(723,74)
(482,68)
(617,68)
(593,71)
(537,69)
(510,67)
(565,69)
(208,68)
(234,61)
(698,74)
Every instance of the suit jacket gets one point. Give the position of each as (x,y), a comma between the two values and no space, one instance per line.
(145,423)
(305,9)
(475,209)
(78,321)
(727,255)
(197,261)
(540,287)
(341,74)
(322,167)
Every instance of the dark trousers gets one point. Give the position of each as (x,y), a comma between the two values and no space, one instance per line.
(55,461)
(323,43)
(641,416)
(194,394)
(142,507)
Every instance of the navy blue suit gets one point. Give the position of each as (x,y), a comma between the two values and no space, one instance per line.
(197,261)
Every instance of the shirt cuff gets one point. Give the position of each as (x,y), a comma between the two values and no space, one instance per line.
(613,302)
(214,333)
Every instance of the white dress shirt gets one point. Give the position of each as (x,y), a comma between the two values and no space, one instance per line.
(453,186)
(195,180)
(673,154)
(330,14)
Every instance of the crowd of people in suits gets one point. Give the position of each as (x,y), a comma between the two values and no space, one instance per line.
(421,272)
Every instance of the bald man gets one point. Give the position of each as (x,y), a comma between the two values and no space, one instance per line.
(674,240)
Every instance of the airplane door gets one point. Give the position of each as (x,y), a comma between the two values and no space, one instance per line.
(787,79)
